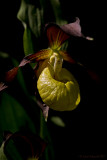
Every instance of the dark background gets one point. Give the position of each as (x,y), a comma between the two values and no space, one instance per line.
(85,133)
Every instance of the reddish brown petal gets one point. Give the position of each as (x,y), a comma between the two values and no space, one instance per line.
(94,76)
(10,75)
(56,35)
(24,62)
(41,55)
(67,57)
(29,140)
(91,73)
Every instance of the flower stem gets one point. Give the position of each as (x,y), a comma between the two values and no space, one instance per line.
(42,131)
(41,124)
(44,134)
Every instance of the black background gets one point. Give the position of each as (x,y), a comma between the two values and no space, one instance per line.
(85,133)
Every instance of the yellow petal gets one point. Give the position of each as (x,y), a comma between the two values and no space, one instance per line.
(60,95)
(41,65)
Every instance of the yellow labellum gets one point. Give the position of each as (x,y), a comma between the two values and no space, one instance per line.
(60,94)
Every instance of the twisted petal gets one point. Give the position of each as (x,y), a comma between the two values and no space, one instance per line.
(90,72)
(57,35)
(41,55)
(73,29)
(11,74)
(67,57)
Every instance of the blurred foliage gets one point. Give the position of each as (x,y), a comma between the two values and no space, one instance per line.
(13,114)
(2,155)
(18,108)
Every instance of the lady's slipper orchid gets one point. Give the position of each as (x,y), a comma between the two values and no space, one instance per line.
(56,85)
(29,145)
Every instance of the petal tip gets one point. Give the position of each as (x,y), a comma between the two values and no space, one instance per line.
(90,38)
(3,86)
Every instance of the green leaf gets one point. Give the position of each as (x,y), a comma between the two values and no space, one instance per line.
(27,41)
(22,14)
(32,19)
(12,152)
(35,16)
(3,55)
(13,117)
(45,134)
(31,15)
(2,155)
(20,77)
(33,159)
(58,121)
(57,12)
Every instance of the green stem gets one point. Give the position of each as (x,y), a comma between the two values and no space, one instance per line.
(44,134)
(41,125)
(42,131)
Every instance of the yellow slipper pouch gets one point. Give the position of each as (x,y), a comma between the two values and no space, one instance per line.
(62,94)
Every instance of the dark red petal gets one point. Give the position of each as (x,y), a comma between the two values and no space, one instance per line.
(41,55)
(32,141)
(93,75)
(56,35)
(11,74)
(65,31)
(67,57)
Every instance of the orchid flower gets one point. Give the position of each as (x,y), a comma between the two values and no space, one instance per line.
(57,87)
(34,146)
